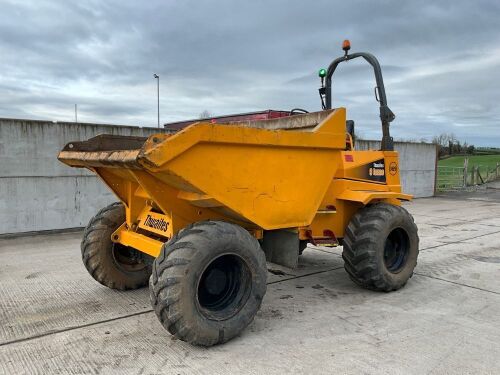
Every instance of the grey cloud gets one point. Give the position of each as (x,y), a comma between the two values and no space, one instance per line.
(233,56)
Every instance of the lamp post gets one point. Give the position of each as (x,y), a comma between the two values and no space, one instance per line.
(158,95)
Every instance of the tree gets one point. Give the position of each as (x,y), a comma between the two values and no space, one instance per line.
(444,139)
(445,142)
(448,144)
(205,114)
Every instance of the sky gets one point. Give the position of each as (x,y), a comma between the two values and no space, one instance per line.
(440,61)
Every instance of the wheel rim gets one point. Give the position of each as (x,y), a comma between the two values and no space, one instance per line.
(127,259)
(396,250)
(223,287)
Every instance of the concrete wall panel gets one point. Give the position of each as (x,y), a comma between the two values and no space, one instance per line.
(48,203)
(37,192)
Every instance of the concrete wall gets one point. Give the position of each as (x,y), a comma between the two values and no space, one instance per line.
(37,192)
(417,165)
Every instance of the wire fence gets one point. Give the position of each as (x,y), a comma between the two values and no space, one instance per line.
(462,178)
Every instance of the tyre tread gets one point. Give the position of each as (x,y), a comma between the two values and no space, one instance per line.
(174,259)
(359,244)
(107,219)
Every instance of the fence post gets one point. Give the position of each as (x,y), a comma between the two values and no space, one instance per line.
(466,163)
(496,169)
(479,177)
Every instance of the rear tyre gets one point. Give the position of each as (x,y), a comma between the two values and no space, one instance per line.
(381,247)
(208,282)
(111,264)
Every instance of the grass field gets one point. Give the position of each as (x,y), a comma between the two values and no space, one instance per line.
(474,160)
(453,178)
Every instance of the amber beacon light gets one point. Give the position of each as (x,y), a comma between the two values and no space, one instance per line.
(346,45)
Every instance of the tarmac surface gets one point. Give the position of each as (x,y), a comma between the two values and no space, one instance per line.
(54,318)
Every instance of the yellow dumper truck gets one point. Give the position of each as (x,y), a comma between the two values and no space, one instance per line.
(200,211)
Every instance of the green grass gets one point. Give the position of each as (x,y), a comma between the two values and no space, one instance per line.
(474,160)
(452,178)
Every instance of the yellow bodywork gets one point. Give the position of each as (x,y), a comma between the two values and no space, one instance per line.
(300,179)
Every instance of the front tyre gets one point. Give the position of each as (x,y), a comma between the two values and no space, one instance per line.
(381,247)
(112,264)
(208,282)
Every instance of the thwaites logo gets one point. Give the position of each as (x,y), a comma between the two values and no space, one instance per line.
(158,224)
(376,171)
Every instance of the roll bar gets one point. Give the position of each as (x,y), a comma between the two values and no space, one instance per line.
(386,115)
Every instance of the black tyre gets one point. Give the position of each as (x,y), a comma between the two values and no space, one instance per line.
(208,282)
(113,265)
(302,246)
(381,247)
